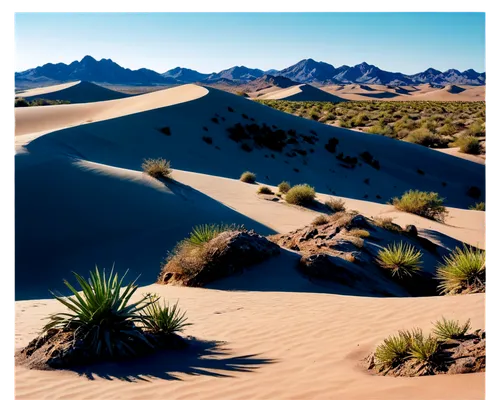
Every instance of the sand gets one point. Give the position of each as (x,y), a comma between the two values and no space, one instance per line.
(302,92)
(81,200)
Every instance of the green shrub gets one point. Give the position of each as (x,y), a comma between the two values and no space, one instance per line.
(163,319)
(20,102)
(301,195)
(478,206)
(157,168)
(335,205)
(450,329)
(425,137)
(284,187)
(463,271)
(425,204)
(423,348)
(102,314)
(248,177)
(469,144)
(264,190)
(401,260)
(476,129)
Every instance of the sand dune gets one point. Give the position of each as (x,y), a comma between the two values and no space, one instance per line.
(46,89)
(302,92)
(81,92)
(81,200)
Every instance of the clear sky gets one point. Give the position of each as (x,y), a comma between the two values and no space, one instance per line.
(397,42)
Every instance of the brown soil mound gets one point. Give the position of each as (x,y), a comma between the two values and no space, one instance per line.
(230,252)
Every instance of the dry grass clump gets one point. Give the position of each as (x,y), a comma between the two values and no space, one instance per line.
(480,206)
(264,190)
(425,204)
(356,241)
(463,271)
(335,205)
(301,195)
(320,220)
(386,223)
(157,168)
(248,177)
(284,187)
(360,233)
(401,260)
(342,219)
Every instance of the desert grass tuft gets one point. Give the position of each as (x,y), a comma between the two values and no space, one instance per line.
(335,205)
(157,168)
(248,177)
(301,195)
(264,190)
(320,220)
(481,206)
(164,319)
(401,260)
(450,329)
(284,187)
(394,350)
(463,271)
(426,204)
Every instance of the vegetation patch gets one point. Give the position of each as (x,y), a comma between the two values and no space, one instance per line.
(157,168)
(264,190)
(401,260)
(248,177)
(301,195)
(426,204)
(20,102)
(335,205)
(368,158)
(284,187)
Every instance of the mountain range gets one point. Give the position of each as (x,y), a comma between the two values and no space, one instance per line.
(305,71)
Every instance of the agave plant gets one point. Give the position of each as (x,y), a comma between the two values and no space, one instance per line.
(394,350)
(402,260)
(450,329)
(163,319)
(101,314)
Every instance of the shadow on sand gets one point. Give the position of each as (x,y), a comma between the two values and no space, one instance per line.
(208,358)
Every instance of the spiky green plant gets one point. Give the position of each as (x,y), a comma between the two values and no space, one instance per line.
(450,329)
(164,319)
(401,260)
(464,270)
(394,350)
(202,234)
(101,314)
(480,206)
(423,348)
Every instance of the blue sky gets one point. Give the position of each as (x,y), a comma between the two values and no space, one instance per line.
(398,42)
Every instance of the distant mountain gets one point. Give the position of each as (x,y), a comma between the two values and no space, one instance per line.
(267,81)
(185,75)
(89,69)
(309,71)
(305,71)
(242,74)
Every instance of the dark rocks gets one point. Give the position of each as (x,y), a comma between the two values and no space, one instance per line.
(411,230)
(360,222)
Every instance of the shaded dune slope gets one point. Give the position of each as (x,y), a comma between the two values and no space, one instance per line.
(302,93)
(82,92)
(81,198)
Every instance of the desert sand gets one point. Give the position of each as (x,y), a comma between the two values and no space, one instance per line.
(82,199)
(301,93)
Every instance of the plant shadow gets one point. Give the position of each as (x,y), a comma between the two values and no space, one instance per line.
(199,358)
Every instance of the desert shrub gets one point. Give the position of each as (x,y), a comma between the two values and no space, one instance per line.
(301,195)
(381,129)
(20,102)
(248,177)
(463,271)
(478,206)
(264,190)
(468,144)
(387,223)
(345,124)
(201,234)
(361,233)
(157,168)
(401,260)
(425,204)
(241,93)
(335,205)
(447,130)
(320,220)
(284,187)
(237,133)
(246,147)
(164,319)
(367,157)
(360,120)
(166,130)
(102,314)
(476,129)
(450,329)
(207,139)
(394,350)
(331,146)
(425,137)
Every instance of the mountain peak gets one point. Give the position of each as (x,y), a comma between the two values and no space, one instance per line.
(88,59)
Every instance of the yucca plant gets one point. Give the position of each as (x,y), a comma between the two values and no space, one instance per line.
(450,329)
(163,319)
(394,350)
(101,314)
(423,348)
(463,271)
(201,234)
(401,260)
